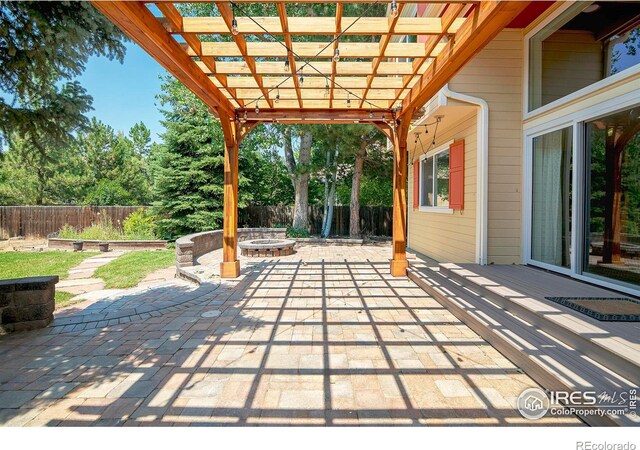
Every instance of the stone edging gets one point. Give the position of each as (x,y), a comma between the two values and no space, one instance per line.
(192,246)
(67,244)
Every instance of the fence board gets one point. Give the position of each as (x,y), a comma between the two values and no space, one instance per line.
(40,221)
(374,220)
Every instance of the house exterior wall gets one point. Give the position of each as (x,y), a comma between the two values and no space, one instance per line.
(441,236)
(495,75)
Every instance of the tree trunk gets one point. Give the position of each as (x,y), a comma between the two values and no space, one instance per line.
(299,174)
(331,201)
(354,218)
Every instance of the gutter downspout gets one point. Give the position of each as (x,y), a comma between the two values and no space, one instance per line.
(482,177)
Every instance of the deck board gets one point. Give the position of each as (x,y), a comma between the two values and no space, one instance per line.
(529,286)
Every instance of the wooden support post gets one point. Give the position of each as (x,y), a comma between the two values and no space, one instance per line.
(399,262)
(230,266)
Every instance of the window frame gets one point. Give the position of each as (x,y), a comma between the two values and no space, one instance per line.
(432,154)
(587,91)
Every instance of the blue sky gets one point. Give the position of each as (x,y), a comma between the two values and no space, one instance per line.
(124,94)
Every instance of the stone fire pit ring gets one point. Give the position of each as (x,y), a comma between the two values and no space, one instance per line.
(267,247)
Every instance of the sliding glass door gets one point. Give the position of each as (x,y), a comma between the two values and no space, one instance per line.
(551,198)
(612,241)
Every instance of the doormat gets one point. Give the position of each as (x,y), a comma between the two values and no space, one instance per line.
(604,309)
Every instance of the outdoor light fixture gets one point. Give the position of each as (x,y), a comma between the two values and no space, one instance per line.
(326,88)
(348,101)
(336,56)
(394,8)
(278,96)
(301,77)
(286,63)
(245,115)
(257,108)
(234,26)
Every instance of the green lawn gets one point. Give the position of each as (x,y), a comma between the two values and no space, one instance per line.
(19,265)
(129,269)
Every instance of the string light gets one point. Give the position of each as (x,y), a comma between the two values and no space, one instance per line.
(370,114)
(348,101)
(286,63)
(336,56)
(326,88)
(245,115)
(306,61)
(278,96)
(394,8)
(234,22)
(257,108)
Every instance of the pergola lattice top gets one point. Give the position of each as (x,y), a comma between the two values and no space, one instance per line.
(389,75)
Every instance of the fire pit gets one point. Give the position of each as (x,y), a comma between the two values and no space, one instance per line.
(267,247)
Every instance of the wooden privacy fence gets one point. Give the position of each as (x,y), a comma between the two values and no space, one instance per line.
(374,220)
(39,221)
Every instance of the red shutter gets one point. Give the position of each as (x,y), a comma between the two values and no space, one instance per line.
(416,184)
(456,175)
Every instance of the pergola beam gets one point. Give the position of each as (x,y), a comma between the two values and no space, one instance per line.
(352,26)
(227,15)
(485,22)
(282,14)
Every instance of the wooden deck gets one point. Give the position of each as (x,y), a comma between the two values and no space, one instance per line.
(528,286)
(560,348)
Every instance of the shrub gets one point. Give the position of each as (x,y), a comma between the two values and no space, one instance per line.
(103,230)
(140,225)
(297,233)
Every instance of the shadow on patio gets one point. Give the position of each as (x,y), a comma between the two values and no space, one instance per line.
(296,343)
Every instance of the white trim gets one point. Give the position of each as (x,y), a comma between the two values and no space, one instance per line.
(435,209)
(576,120)
(482,168)
(527,194)
(430,154)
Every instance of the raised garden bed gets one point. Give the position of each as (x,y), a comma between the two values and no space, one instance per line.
(67,244)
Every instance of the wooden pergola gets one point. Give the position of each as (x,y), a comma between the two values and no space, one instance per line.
(260,69)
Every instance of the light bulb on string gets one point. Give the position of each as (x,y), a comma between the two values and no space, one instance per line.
(326,89)
(394,8)
(348,101)
(257,108)
(278,96)
(336,56)
(286,63)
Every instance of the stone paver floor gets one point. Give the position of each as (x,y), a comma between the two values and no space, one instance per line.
(322,337)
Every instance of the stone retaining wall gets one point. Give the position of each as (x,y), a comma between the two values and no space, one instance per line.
(67,244)
(192,246)
(26,303)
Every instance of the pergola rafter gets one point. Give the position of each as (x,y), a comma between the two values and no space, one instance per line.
(232,78)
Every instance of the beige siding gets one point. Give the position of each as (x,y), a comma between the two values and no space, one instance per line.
(495,75)
(447,237)
(571,60)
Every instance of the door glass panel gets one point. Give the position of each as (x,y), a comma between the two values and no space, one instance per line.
(612,244)
(551,205)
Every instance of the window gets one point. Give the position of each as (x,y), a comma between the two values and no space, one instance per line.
(588,42)
(551,206)
(434,180)
(612,241)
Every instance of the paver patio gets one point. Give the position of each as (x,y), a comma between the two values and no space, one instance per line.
(322,337)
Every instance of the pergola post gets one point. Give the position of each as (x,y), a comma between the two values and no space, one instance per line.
(230,266)
(399,262)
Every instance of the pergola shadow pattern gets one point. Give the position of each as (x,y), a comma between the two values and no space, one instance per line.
(296,343)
